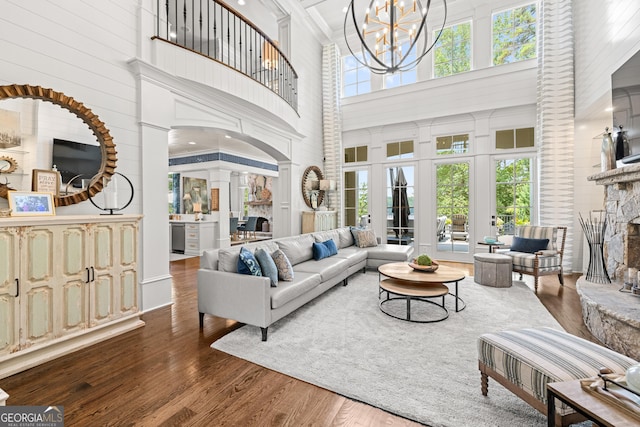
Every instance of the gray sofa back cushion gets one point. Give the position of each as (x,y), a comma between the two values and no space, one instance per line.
(228,257)
(209,259)
(323,236)
(297,248)
(345,237)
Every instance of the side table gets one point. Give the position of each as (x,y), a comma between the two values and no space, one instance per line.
(586,404)
(492,245)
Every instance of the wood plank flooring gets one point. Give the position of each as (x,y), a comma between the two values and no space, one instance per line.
(165,374)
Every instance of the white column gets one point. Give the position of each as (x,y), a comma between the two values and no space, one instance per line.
(220,179)
(286,218)
(3,397)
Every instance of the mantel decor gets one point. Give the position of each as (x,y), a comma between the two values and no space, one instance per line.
(110,191)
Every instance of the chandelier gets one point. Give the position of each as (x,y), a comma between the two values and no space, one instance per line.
(392,33)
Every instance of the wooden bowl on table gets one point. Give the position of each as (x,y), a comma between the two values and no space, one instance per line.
(424,268)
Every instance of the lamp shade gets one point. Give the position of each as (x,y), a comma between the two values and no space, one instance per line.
(327,184)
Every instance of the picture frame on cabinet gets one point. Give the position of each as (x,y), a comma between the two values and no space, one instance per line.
(46,181)
(31,203)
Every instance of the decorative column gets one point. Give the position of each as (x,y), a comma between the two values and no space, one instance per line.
(555,118)
(331,123)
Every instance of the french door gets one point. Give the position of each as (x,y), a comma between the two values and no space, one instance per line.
(356,197)
(453,230)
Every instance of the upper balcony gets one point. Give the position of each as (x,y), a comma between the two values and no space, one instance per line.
(215,30)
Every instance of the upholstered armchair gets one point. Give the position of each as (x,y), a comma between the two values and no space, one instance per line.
(459,228)
(537,251)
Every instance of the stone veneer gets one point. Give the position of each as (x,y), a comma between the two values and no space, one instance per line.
(622,206)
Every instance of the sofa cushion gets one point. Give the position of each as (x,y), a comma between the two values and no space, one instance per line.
(320,251)
(345,237)
(267,265)
(390,253)
(366,238)
(285,270)
(247,263)
(327,268)
(524,244)
(353,255)
(297,248)
(228,257)
(323,236)
(288,291)
(525,261)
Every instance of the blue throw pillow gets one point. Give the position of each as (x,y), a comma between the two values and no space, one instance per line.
(267,265)
(331,246)
(523,244)
(248,264)
(320,251)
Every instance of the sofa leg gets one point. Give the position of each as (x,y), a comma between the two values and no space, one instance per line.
(520,276)
(364,270)
(264,333)
(484,383)
(345,282)
(535,284)
(561,278)
(201,320)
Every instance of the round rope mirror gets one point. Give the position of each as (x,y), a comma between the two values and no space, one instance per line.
(107,147)
(311,187)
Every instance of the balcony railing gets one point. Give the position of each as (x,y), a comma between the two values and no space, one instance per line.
(215,30)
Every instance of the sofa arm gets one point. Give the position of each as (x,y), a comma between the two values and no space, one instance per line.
(235,296)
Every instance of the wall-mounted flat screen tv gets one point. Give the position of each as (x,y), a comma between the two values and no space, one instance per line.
(625,94)
(76,161)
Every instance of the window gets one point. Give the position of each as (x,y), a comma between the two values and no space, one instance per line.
(356,202)
(514,35)
(355,76)
(452,52)
(355,154)
(513,194)
(400,78)
(453,144)
(515,138)
(400,150)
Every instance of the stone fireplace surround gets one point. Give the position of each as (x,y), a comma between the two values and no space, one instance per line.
(613,317)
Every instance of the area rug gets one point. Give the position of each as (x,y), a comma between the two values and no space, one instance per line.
(426,372)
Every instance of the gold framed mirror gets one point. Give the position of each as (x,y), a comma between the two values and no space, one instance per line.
(97,127)
(311,185)
(8,164)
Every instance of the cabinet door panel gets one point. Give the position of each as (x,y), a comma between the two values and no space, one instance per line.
(102,299)
(128,292)
(39,314)
(103,247)
(9,304)
(40,252)
(74,315)
(128,244)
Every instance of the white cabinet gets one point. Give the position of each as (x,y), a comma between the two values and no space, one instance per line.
(198,237)
(318,221)
(65,283)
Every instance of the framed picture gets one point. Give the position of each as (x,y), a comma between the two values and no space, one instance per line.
(46,181)
(215,199)
(31,203)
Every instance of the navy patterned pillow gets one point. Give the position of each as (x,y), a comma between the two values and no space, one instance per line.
(248,264)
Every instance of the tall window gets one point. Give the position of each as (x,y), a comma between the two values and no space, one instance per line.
(400,78)
(514,35)
(452,52)
(513,194)
(400,203)
(355,76)
(400,150)
(452,144)
(452,207)
(356,202)
(515,138)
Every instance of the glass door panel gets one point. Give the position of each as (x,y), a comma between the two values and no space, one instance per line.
(452,207)
(356,201)
(400,204)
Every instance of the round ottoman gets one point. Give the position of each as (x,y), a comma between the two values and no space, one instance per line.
(492,270)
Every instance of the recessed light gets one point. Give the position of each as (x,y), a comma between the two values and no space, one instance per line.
(227,136)
(241,2)
(191,143)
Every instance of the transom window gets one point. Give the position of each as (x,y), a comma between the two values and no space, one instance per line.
(515,138)
(355,76)
(514,34)
(452,144)
(356,154)
(452,52)
(400,150)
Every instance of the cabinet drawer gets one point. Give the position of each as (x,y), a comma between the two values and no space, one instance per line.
(192,235)
(192,227)
(192,245)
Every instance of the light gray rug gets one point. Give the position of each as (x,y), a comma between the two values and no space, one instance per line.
(341,341)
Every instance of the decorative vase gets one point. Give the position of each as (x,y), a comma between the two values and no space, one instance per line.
(608,152)
(622,144)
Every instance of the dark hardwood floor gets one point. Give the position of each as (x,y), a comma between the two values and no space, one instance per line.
(165,373)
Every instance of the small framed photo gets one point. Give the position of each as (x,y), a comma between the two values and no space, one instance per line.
(46,181)
(31,203)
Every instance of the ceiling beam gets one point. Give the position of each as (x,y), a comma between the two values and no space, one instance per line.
(310,3)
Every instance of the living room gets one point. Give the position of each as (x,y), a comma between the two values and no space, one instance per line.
(110,72)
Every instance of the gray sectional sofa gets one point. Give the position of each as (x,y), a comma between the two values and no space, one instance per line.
(224,292)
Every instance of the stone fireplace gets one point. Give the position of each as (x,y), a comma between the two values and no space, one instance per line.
(613,317)
(622,207)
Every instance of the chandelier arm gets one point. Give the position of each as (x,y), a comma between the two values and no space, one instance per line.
(362,42)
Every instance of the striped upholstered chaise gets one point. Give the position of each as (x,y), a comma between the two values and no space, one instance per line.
(538,262)
(525,360)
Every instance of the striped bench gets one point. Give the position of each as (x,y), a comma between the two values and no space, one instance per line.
(525,360)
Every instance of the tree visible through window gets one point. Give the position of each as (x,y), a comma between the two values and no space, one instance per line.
(513,194)
(514,35)
(452,52)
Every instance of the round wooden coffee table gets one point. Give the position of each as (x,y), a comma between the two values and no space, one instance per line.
(409,284)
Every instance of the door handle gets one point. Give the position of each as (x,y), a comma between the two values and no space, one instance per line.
(88,275)
(93,274)
(17,288)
